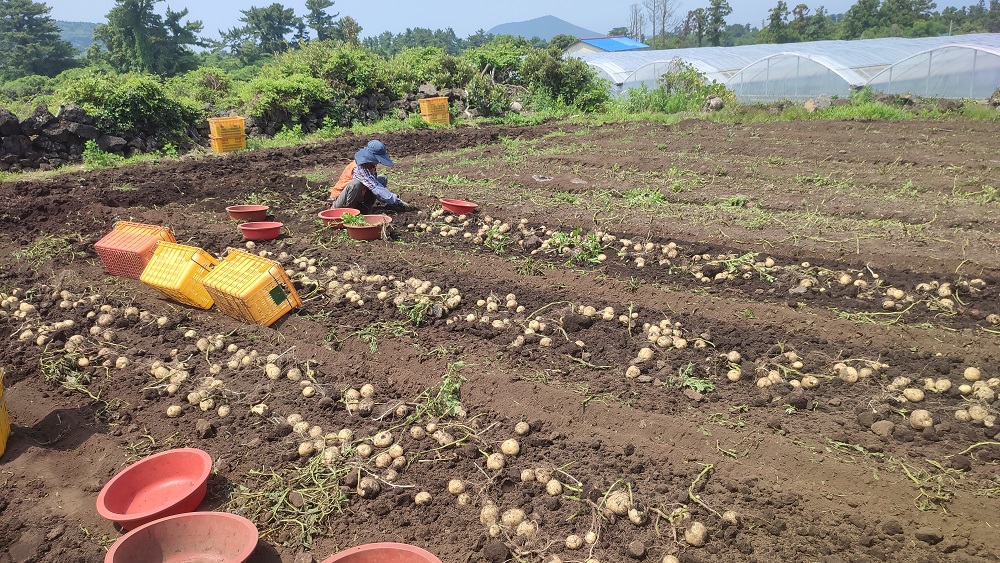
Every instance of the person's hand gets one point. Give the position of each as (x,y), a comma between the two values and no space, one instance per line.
(405,206)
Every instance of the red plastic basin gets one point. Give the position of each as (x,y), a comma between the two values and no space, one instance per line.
(164,484)
(195,537)
(332,217)
(371,230)
(261,230)
(386,552)
(248,212)
(458,206)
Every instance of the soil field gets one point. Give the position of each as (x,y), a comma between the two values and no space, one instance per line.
(724,342)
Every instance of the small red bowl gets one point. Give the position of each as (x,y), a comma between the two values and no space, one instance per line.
(248,212)
(458,206)
(332,217)
(261,230)
(385,552)
(164,484)
(218,537)
(371,230)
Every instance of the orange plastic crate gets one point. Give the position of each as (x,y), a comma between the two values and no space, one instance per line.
(435,110)
(226,127)
(176,271)
(228,144)
(251,289)
(4,419)
(127,249)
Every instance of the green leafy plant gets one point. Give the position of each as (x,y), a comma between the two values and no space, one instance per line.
(685,379)
(353,220)
(94,157)
(443,400)
(50,248)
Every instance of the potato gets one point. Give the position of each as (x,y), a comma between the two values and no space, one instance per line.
(510,447)
(224,411)
(395,451)
(978,413)
(913,395)
(300,427)
(526,529)
(422,498)
(489,514)
(173,411)
(962,415)
(495,462)
(618,502)
(294,419)
(633,372)
(731,517)
(637,516)
(645,354)
(522,428)
(920,419)
(383,439)
(364,450)
(306,449)
(554,487)
(512,517)
(369,487)
(696,534)
(972,374)
(543,475)
(527,475)
(383,460)
(590,538)
(464,499)
(367,391)
(417,433)
(456,486)
(272,371)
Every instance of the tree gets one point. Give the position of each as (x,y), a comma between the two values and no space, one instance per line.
(30,41)
(138,39)
(637,22)
(653,9)
(819,26)
(348,30)
(993,18)
(265,30)
(562,42)
(695,22)
(616,31)
(777,24)
(860,17)
(717,12)
(319,20)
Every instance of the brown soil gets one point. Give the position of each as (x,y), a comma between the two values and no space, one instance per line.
(889,205)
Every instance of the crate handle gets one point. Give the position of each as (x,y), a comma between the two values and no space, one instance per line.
(279,283)
(202,266)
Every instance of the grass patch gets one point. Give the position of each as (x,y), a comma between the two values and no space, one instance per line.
(296,503)
(54,248)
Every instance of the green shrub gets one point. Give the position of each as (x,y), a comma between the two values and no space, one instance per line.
(94,157)
(490,98)
(428,65)
(347,70)
(501,58)
(26,87)
(203,85)
(292,96)
(131,101)
(570,82)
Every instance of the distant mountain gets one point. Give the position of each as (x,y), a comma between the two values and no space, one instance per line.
(545,27)
(79,34)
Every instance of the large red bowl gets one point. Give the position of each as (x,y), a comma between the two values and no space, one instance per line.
(195,537)
(248,212)
(332,217)
(372,229)
(164,484)
(386,552)
(458,206)
(261,230)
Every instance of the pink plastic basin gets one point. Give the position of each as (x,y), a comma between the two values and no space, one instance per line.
(195,537)
(371,230)
(248,212)
(458,206)
(261,230)
(386,552)
(332,217)
(164,484)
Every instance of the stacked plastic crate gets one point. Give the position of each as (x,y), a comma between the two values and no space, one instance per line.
(227,134)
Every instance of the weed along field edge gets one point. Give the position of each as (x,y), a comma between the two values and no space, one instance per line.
(692,342)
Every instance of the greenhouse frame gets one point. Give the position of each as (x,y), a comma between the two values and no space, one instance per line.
(962,66)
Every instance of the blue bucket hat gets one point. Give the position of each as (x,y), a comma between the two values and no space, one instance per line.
(374,152)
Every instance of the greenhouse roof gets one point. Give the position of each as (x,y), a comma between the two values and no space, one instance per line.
(855,62)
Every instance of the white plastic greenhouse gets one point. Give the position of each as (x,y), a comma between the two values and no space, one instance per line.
(962,66)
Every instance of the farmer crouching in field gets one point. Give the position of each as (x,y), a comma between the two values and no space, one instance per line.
(360,187)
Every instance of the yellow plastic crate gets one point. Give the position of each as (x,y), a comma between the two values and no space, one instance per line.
(176,270)
(435,110)
(226,127)
(127,249)
(251,289)
(4,419)
(228,144)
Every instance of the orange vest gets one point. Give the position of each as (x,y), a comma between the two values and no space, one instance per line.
(345,178)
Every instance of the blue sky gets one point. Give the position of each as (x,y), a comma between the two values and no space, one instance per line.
(464,17)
